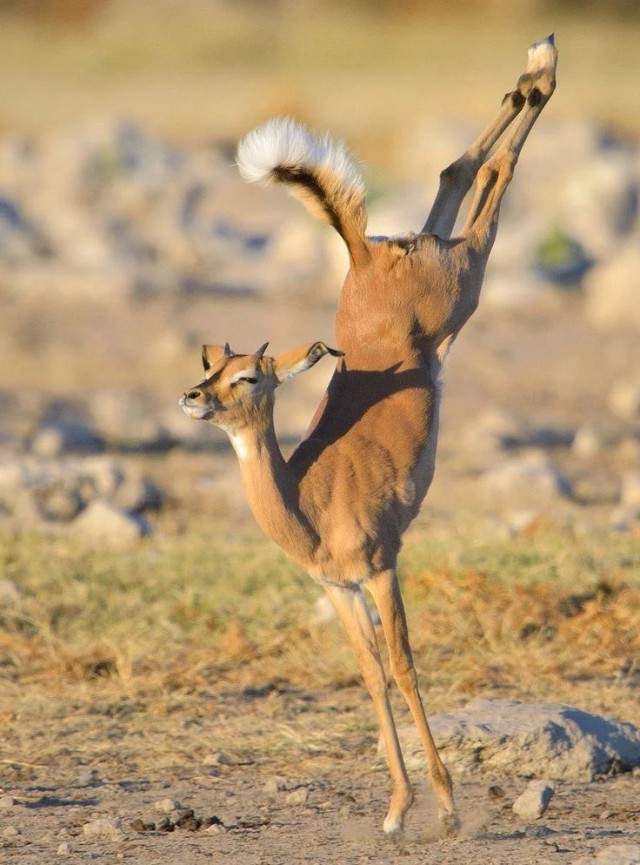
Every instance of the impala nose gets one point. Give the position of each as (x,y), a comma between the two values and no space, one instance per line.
(194,394)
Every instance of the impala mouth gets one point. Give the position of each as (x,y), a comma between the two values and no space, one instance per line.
(194,410)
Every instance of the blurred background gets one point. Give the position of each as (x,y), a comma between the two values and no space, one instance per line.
(127,240)
(129,564)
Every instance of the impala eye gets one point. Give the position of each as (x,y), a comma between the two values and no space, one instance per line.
(249,379)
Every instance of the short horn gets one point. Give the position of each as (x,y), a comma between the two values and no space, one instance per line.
(261,350)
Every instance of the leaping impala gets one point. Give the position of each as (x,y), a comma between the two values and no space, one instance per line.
(339,506)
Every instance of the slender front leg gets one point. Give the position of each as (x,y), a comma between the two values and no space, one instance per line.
(386,593)
(351,607)
(456,180)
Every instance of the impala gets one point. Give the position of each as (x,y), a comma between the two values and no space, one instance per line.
(341,503)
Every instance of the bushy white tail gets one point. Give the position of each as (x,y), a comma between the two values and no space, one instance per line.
(319,171)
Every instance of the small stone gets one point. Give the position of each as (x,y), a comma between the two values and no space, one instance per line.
(276,784)
(496,792)
(624,400)
(6,802)
(532,804)
(297,797)
(630,491)
(223,758)
(103,525)
(166,806)
(64,849)
(527,481)
(105,828)
(10,832)
(587,442)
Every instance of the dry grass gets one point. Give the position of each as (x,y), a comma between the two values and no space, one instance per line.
(541,616)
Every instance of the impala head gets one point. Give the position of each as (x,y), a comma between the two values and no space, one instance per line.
(238,388)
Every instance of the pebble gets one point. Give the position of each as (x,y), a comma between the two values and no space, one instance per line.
(10,832)
(166,806)
(532,804)
(64,849)
(297,797)
(6,802)
(106,828)
(624,400)
(277,784)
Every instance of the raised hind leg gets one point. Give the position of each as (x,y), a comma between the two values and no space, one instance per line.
(456,180)
(496,173)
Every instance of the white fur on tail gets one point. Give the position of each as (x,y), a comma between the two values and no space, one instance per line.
(319,171)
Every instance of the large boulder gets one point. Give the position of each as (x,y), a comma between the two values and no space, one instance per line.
(531,740)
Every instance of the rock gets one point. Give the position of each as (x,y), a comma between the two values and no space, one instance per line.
(624,519)
(611,295)
(9,595)
(55,438)
(166,806)
(105,828)
(297,797)
(532,804)
(101,524)
(6,803)
(137,495)
(630,491)
(277,784)
(526,481)
(56,503)
(64,849)
(588,442)
(11,832)
(624,400)
(529,740)
(615,854)
(493,431)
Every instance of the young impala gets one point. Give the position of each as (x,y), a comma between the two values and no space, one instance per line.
(339,506)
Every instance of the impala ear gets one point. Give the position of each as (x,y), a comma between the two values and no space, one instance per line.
(212,353)
(301,358)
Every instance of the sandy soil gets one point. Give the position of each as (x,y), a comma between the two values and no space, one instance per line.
(116,759)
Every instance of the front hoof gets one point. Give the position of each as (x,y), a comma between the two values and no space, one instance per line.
(449,823)
(393,828)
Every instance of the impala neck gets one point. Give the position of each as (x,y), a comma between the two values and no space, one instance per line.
(272,491)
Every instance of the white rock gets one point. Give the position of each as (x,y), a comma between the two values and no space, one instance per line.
(297,797)
(103,525)
(611,289)
(166,806)
(526,481)
(493,431)
(630,491)
(6,802)
(532,804)
(64,849)
(548,741)
(624,400)
(11,832)
(105,828)
(587,442)
(9,595)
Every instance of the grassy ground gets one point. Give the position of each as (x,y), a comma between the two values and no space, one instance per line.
(548,615)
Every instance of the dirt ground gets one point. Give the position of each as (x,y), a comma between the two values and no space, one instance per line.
(278,774)
(115,759)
